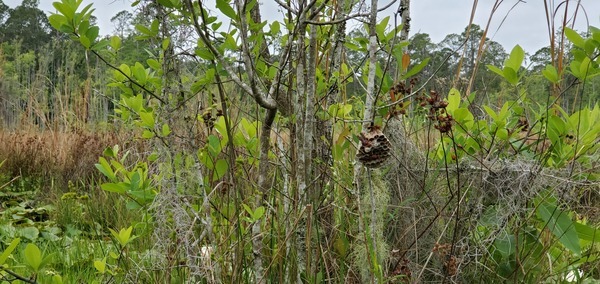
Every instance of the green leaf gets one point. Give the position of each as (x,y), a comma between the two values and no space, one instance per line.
(101,44)
(258,213)
(166,3)
(64,8)
(380,28)
(57,20)
(585,68)
(100,265)
(147,134)
(57,279)
(275,28)
(114,187)
(30,233)
(416,69)
(123,236)
(214,145)
(560,225)
(92,33)
(226,9)
(144,30)
(505,245)
(8,251)
(33,257)
(105,169)
(154,64)
(165,43)
(490,112)
(221,167)
(166,130)
(574,37)
(551,74)
(515,59)
(204,53)
(495,70)
(147,118)
(85,41)
(453,100)
(510,75)
(139,72)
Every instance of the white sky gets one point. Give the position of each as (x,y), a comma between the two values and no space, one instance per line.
(524,25)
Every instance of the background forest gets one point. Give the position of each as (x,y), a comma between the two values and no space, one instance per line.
(196,143)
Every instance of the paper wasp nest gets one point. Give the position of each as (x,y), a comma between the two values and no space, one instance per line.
(374,148)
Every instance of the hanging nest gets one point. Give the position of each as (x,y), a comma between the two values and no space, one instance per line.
(374,148)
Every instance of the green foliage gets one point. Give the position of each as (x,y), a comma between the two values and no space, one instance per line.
(207,165)
(511,66)
(135,184)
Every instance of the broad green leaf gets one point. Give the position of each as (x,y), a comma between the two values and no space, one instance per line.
(32,256)
(154,27)
(490,112)
(495,70)
(560,225)
(464,117)
(144,30)
(587,234)
(204,53)
(8,251)
(139,72)
(585,68)
(100,265)
(453,100)
(574,37)
(85,41)
(92,33)
(515,59)
(226,9)
(258,213)
(115,42)
(416,69)
(248,209)
(166,130)
(551,74)
(115,187)
(165,43)
(556,128)
(30,233)
(147,134)
(166,3)
(214,145)
(123,236)
(275,28)
(105,169)
(100,45)
(154,64)
(57,20)
(380,28)
(222,129)
(147,119)
(505,245)
(57,279)
(510,75)
(64,8)
(134,184)
(221,167)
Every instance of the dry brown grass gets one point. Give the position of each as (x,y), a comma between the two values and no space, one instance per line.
(62,156)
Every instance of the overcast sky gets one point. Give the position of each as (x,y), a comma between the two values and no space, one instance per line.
(524,25)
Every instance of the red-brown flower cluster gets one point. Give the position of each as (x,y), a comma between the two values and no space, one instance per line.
(399,91)
(437,111)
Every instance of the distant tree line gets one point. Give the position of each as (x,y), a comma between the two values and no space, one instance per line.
(33,55)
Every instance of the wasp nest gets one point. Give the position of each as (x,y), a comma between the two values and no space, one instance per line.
(374,148)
